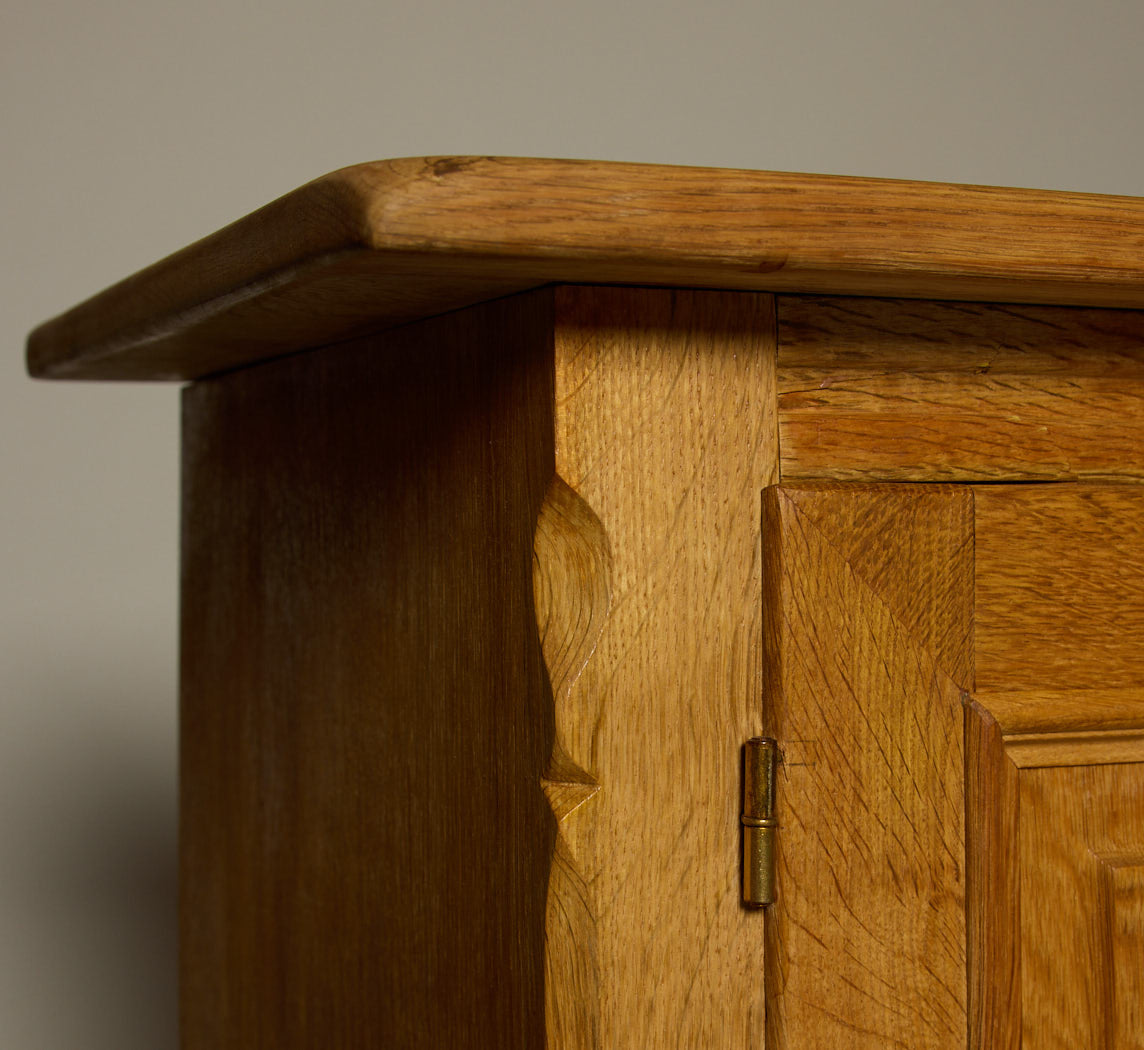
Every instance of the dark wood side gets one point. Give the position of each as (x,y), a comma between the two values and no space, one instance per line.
(365,713)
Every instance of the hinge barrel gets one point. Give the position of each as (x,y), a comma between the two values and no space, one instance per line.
(760,756)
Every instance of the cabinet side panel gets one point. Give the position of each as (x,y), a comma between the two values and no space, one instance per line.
(365,711)
(666,436)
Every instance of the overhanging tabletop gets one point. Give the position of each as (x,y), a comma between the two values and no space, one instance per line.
(384,243)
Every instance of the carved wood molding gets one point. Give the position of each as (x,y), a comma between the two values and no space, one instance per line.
(571,582)
(1045,771)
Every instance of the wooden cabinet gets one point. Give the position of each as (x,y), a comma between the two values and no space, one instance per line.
(519,495)
(936,828)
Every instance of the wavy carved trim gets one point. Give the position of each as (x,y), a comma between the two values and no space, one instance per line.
(571,591)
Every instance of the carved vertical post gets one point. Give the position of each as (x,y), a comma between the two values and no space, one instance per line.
(650,586)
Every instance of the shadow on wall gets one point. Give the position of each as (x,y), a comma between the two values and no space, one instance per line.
(91,880)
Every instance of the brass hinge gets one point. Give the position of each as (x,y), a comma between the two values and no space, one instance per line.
(760,756)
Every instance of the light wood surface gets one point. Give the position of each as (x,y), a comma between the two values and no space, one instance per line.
(1123,894)
(920,391)
(572,567)
(1055,854)
(1060,574)
(1057,711)
(1083,727)
(648,559)
(381,244)
(867,941)
(894,539)
(1055,775)
(365,711)
(1070,819)
(1100,747)
(993,885)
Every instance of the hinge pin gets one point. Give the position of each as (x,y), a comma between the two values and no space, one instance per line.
(760,756)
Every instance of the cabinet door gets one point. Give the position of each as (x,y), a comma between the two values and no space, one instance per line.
(1055,771)
(868,615)
(956,683)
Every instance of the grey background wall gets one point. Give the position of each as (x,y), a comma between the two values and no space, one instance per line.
(130,128)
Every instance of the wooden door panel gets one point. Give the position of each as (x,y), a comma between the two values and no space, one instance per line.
(1072,818)
(957,686)
(1123,896)
(866,944)
(1057,832)
(1055,768)
(1060,573)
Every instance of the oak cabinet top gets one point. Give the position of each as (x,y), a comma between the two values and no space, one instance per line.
(380,244)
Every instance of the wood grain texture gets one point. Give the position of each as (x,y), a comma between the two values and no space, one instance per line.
(920,391)
(1051,814)
(1075,749)
(1070,819)
(993,885)
(665,434)
(365,711)
(886,534)
(572,566)
(867,942)
(1060,587)
(1068,711)
(384,243)
(1081,727)
(1124,917)
(1055,782)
